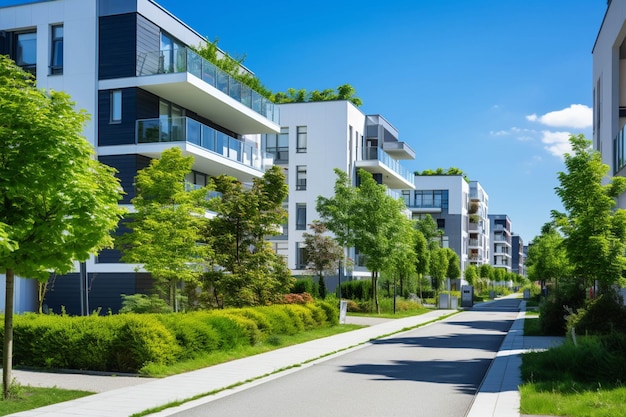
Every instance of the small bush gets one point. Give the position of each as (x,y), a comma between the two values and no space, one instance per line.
(602,315)
(302,298)
(331,310)
(192,334)
(142,303)
(357,290)
(552,311)
(353,307)
(303,285)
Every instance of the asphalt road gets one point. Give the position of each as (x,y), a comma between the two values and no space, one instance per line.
(431,371)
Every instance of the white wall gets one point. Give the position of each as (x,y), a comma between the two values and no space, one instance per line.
(79,19)
(328,147)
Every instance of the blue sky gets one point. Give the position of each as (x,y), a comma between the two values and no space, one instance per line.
(491,87)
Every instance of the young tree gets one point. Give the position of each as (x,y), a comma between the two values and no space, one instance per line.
(253,273)
(402,255)
(471,275)
(422,255)
(594,231)
(167,227)
(322,253)
(59,204)
(438,267)
(547,258)
(364,217)
(454,264)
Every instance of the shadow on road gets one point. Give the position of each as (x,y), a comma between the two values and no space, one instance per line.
(465,375)
(485,342)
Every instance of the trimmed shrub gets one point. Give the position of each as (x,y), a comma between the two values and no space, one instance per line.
(142,339)
(192,335)
(331,311)
(357,290)
(280,320)
(307,285)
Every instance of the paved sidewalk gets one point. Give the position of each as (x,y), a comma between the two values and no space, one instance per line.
(498,395)
(122,396)
(125,401)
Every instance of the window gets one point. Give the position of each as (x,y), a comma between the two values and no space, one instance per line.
(116,106)
(301,177)
(441,223)
(26,51)
(173,55)
(301,139)
(301,256)
(56,50)
(300,216)
(278,145)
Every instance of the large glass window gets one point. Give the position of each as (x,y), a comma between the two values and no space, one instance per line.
(431,199)
(301,177)
(301,139)
(26,51)
(172,54)
(56,50)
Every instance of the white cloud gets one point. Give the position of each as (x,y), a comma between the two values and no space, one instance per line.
(576,116)
(557,143)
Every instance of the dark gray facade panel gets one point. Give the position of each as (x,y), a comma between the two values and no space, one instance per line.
(104,291)
(148,46)
(136,104)
(117,46)
(127,167)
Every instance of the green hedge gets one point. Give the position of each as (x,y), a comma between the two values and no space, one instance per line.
(128,342)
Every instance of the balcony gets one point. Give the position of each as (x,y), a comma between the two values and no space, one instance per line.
(395,176)
(209,91)
(399,150)
(215,152)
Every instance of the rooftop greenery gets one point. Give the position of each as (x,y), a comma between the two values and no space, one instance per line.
(234,67)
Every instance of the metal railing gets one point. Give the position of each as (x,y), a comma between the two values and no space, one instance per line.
(185,60)
(373,153)
(185,129)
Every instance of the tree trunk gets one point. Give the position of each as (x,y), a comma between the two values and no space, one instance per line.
(7,351)
(375,291)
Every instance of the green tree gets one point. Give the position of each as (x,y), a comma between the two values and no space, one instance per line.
(167,226)
(322,252)
(438,267)
(422,258)
(252,273)
(547,260)
(59,204)
(594,230)
(402,255)
(471,275)
(364,217)
(454,264)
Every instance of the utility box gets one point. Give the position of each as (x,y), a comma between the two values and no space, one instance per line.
(467,296)
(444,301)
(526,294)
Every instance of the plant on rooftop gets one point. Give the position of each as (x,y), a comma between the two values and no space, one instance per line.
(441,171)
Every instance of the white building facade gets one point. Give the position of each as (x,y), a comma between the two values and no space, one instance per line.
(609,91)
(130,66)
(316,138)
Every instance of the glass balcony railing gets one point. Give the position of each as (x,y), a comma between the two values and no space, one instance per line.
(373,153)
(184,129)
(186,60)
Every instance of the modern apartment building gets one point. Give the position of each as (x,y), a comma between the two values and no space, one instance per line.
(316,138)
(479,247)
(459,207)
(501,241)
(609,91)
(518,256)
(130,65)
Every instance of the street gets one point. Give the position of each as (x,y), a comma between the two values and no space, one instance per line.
(430,371)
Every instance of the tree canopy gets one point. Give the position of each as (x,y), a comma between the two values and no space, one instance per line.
(59,204)
(594,230)
(168,219)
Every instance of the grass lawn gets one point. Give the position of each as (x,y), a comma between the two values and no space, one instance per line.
(27,398)
(570,380)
